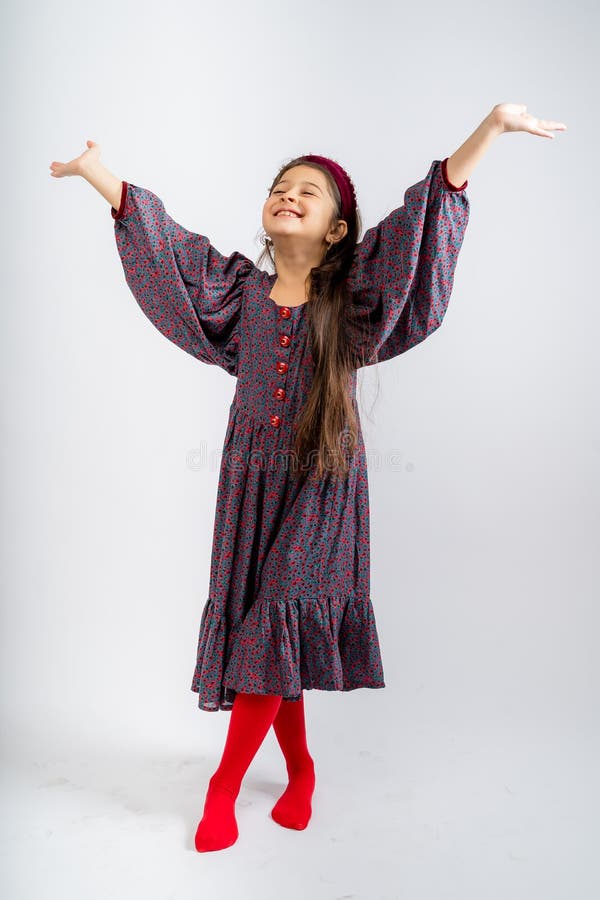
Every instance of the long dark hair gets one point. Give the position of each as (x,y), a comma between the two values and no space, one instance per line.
(326,429)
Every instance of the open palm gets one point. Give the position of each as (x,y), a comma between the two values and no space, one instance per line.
(514,117)
(74,167)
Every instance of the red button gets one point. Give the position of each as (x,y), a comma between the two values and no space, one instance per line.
(279,394)
(284,340)
(281,367)
(285,312)
(275,421)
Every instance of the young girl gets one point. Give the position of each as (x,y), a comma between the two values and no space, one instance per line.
(288,606)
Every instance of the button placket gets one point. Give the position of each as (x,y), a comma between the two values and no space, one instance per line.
(281,366)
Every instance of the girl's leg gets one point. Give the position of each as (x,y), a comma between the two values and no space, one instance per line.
(293,809)
(250,719)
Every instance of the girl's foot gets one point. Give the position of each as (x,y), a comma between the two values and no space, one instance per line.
(293,809)
(218,827)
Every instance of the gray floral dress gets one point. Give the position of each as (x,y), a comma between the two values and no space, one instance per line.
(288,606)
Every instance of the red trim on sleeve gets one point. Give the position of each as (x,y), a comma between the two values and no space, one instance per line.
(449,185)
(118,213)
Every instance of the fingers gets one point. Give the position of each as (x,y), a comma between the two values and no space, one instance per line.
(555,126)
(544,127)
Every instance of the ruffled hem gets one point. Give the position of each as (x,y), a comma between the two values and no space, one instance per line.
(286,646)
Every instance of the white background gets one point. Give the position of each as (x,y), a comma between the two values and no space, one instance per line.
(474,772)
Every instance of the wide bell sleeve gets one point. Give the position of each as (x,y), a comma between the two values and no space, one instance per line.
(402,273)
(188,290)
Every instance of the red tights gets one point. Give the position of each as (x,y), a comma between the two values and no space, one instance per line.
(250,719)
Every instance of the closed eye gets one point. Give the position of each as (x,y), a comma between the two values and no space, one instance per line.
(304,192)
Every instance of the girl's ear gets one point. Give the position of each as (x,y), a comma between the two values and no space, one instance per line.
(342,229)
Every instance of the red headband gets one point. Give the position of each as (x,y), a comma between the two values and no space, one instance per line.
(343,181)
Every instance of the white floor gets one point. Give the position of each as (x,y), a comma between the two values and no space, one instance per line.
(435,816)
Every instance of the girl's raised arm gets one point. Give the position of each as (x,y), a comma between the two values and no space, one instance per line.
(403,270)
(190,292)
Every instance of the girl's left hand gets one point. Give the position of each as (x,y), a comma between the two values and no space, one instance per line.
(514,117)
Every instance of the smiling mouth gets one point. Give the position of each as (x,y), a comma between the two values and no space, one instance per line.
(287,214)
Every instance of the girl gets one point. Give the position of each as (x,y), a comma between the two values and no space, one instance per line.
(288,607)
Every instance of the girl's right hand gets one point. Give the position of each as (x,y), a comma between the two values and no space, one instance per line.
(76,166)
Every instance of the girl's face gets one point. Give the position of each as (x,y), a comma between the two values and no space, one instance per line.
(304,190)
